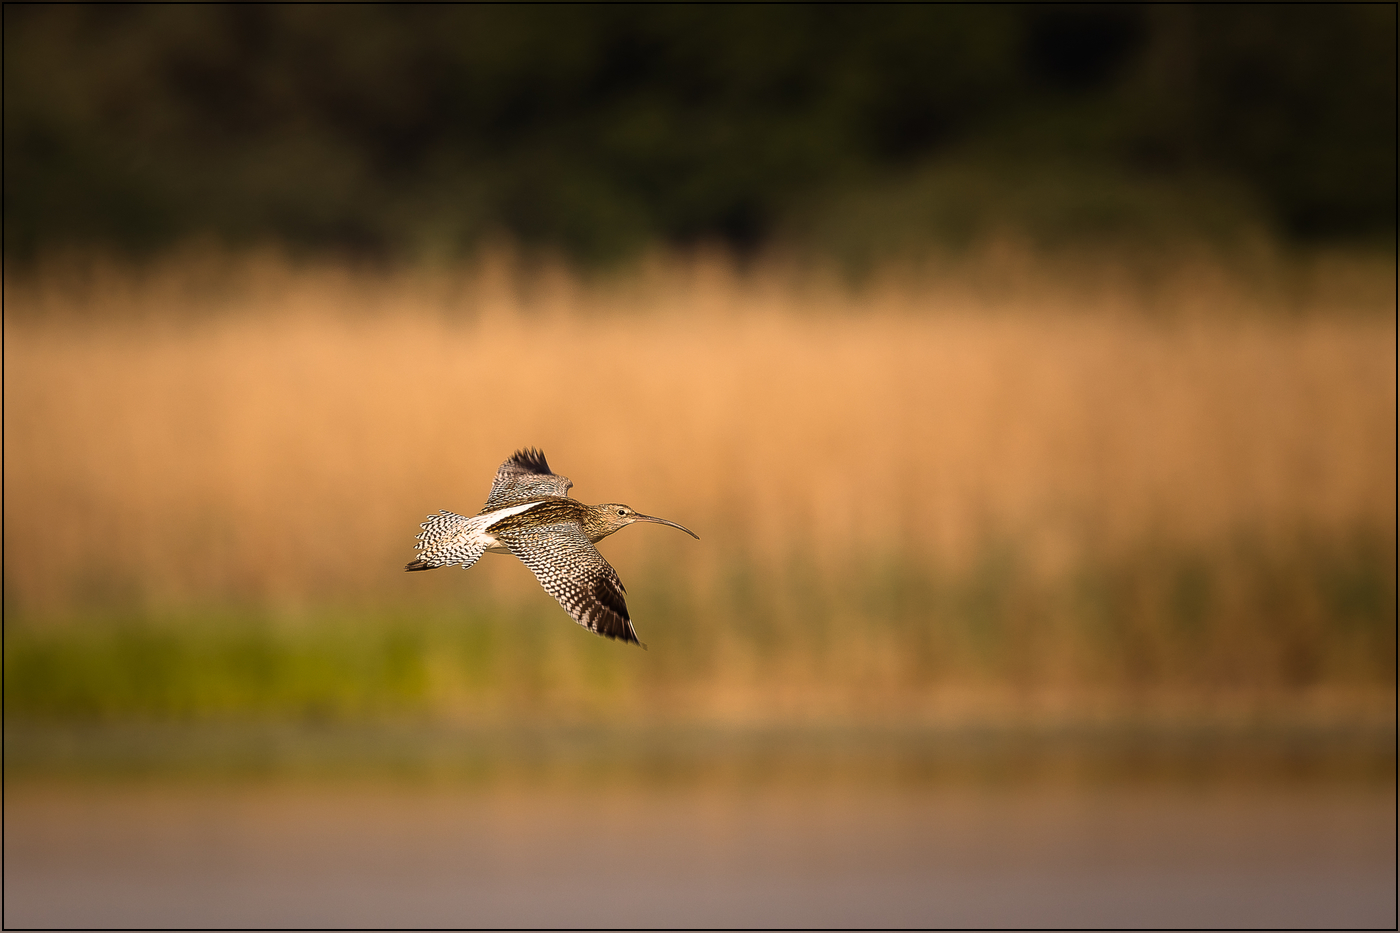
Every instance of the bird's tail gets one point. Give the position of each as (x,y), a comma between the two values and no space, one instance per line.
(448,538)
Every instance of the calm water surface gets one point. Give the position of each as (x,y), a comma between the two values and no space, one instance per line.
(705,831)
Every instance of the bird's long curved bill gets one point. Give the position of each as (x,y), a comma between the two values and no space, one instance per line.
(661,521)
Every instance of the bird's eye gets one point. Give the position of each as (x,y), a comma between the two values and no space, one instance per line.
(621,511)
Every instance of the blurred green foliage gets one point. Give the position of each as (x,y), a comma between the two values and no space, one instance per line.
(1254,619)
(411,130)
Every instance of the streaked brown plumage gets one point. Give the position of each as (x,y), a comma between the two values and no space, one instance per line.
(530,515)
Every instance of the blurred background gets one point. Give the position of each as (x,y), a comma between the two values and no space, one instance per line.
(1028,373)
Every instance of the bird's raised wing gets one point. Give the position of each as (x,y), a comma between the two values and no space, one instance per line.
(525,475)
(571,570)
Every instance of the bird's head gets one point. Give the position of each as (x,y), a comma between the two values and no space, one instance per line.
(610,516)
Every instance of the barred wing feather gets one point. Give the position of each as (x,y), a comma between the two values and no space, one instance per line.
(526,475)
(571,570)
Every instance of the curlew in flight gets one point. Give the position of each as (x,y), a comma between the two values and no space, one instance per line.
(529,514)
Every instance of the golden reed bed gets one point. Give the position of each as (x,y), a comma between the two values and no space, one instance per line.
(218,432)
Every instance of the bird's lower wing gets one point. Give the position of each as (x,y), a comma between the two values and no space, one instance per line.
(571,570)
(448,538)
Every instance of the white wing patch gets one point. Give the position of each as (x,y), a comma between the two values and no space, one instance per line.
(448,538)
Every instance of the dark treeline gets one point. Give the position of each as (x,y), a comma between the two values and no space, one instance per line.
(392,130)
